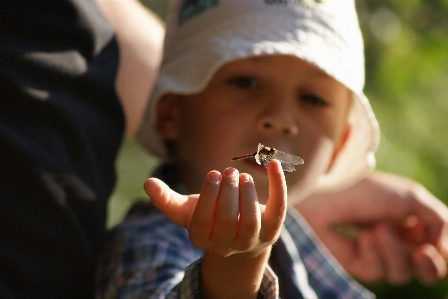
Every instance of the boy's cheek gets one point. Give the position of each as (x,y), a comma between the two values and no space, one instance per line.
(317,154)
(339,144)
(319,145)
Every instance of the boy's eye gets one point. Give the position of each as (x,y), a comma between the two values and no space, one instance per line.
(243,82)
(313,100)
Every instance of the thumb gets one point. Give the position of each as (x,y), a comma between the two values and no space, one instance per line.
(178,208)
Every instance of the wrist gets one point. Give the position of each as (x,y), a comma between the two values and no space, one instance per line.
(235,276)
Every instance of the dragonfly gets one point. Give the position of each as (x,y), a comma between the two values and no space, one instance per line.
(265,154)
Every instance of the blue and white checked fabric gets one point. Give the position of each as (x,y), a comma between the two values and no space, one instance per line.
(148,256)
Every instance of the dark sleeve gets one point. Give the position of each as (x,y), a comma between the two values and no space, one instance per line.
(61,125)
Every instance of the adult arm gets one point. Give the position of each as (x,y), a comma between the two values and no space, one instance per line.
(140,36)
(404,229)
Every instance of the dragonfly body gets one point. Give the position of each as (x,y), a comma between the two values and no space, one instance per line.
(265,154)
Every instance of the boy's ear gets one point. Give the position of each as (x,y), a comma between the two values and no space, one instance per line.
(342,141)
(167,117)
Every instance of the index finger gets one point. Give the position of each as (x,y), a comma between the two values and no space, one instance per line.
(274,215)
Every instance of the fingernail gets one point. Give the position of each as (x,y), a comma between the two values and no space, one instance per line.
(231,171)
(244,177)
(214,177)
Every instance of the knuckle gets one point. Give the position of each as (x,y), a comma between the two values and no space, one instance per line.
(246,244)
(251,227)
(200,221)
(269,234)
(270,238)
(226,220)
(224,252)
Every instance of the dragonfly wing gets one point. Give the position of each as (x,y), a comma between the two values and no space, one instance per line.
(296,160)
(287,167)
(288,158)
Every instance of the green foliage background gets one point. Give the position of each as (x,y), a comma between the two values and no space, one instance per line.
(407,83)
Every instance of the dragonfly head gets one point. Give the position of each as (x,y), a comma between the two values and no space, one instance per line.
(267,151)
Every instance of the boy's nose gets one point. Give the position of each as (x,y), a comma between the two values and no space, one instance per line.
(279,122)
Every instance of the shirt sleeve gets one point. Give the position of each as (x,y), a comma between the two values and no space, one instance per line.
(146,258)
(189,287)
(326,276)
(269,285)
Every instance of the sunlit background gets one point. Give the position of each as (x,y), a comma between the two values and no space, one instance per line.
(407,84)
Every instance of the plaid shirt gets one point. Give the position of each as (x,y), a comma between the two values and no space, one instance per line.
(147,256)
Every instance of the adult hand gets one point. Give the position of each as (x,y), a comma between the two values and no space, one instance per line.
(403,229)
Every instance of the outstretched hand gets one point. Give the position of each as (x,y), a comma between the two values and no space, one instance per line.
(404,229)
(227,221)
(226,217)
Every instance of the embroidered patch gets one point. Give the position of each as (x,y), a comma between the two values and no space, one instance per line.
(296,2)
(191,8)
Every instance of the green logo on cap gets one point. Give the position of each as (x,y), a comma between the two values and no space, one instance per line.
(298,2)
(191,8)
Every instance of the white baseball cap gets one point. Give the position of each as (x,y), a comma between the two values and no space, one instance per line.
(203,35)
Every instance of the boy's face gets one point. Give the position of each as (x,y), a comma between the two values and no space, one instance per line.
(278,101)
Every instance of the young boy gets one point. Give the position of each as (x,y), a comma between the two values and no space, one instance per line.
(285,74)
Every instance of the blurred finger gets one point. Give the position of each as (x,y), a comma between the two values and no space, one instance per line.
(395,255)
(203,218)
(429,264)
(368,266)
(250,215)
(432,212)
(227,211)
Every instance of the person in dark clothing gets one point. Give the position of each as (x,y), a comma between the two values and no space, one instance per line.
(61,124)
